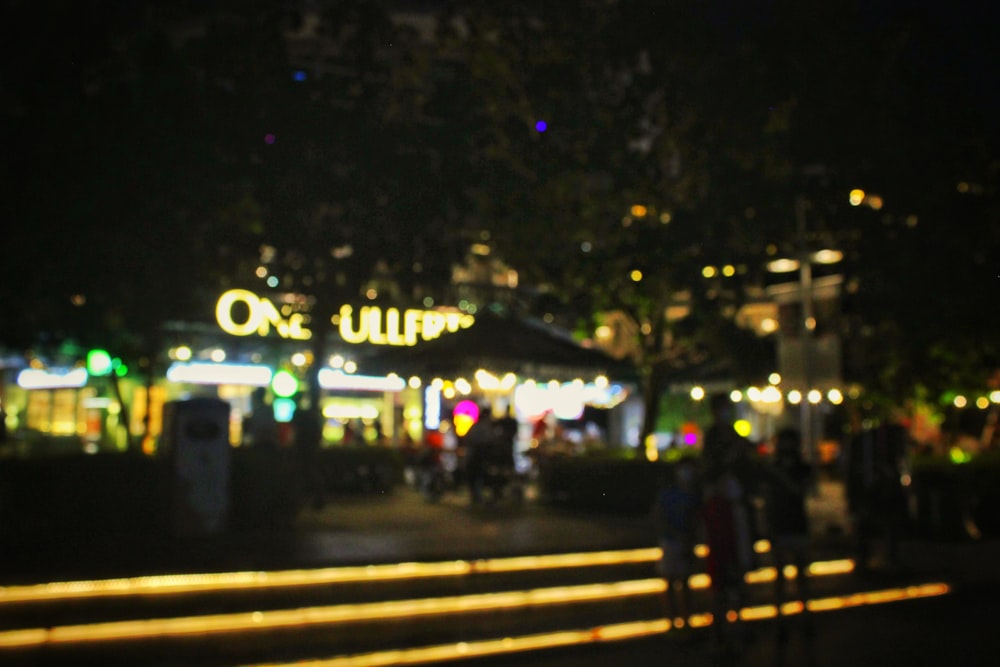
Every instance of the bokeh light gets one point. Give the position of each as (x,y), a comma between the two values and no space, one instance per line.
(269,138)
(464,415)
(541,125)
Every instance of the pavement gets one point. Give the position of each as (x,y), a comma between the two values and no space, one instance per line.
(401,526)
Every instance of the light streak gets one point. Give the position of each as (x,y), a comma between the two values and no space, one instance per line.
(257,621)
(579,637)
(177,584)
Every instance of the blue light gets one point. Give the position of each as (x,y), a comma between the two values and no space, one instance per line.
(284,409)
(541,126)
(299,75)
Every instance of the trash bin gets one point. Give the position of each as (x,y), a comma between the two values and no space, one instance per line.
(195,444)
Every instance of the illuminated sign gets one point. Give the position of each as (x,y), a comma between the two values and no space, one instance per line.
(32,378)
(262,315)
(464,416)
(211,373)
(369,325)
(333,379)
(391,328)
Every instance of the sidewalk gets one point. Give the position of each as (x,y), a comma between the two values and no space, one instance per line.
(401,526)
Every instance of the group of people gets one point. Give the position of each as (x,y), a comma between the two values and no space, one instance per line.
(489,456)
(481,459)
(713,499)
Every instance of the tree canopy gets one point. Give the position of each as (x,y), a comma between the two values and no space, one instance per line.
(607,149)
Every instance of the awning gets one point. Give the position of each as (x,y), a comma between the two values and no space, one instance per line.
(502,344)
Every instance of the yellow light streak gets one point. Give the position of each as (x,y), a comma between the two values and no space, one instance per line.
(175,584)
(179,584)
(759,613)
(792,608)
(386,610)
(613,632)
(878,597)
(761,576)
(328,615)
(830,567)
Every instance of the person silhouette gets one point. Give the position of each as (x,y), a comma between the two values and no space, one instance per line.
(675,513)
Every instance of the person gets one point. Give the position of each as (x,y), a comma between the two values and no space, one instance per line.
(787,486)
(723,446)
(730,553)
(431,473)
(500,465)
(477,443)
(307,439)
(675,513)
(349,434)
(260,428)
(726,450)
(876,498)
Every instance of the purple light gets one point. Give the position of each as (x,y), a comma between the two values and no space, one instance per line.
(541,126)
(690,438)
(269,138)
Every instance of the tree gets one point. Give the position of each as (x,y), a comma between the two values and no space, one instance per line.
(638,178)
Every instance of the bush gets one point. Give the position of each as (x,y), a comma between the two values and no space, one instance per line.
(607,483)
(82,494)
(948,496)
(360,468)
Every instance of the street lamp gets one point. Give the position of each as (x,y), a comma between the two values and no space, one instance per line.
(804,263)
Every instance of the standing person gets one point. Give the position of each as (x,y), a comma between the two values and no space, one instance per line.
(349,434)
(307,438)
(675,513)
(478,442)
(730,553)
(431,472)
(876,497)
(260,428)
(723,446)
(787,485)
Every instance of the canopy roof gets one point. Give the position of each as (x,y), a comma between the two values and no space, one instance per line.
(500,344)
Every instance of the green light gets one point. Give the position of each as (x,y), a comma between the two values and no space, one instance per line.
(284,409)
(958,456)
(99,363)
(284,384)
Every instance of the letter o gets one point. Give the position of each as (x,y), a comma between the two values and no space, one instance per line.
(224,312)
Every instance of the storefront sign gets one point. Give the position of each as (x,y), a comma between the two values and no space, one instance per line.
(262,316)
(371,325)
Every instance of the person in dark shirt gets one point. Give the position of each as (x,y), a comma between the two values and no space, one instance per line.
(724,448)
(307,428)
(675,513)
(788,479)
(876,497)
(726,523)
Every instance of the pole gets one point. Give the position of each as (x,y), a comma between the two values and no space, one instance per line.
(808,326)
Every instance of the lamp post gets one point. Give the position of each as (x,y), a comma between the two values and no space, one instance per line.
(808,327)
(803,263)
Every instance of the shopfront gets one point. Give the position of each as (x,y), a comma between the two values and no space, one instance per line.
(389,375)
